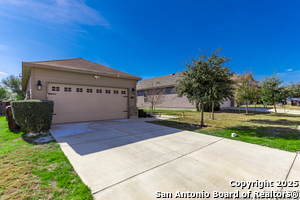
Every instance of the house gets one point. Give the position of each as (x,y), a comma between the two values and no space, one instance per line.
(171,100)
(81,90)
(294,101)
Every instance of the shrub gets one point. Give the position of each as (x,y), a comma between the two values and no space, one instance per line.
(143,113)
(33,115)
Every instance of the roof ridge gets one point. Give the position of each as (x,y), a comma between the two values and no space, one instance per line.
(57,60)
(164,75)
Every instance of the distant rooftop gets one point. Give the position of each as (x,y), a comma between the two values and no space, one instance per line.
(161,81)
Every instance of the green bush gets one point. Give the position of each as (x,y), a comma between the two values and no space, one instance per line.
(33,115)
(143,113)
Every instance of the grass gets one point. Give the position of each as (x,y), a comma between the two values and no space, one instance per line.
(272,130)
(287,107)
(31,171)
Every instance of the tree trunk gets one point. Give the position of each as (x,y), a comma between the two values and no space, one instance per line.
(202,108)
(246,106)
(274,106)
(212,111)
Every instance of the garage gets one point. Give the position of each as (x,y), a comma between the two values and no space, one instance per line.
(77,103)
(81,90)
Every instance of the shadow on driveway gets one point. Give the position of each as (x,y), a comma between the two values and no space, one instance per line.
(104,135)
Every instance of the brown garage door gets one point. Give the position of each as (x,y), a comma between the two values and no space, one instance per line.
(78,103)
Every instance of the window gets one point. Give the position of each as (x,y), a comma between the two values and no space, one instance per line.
(89,90)
(107,91)
(99,90)
(55,88)
(145,98)
(79,90)
(116,92)
(123,92)
(67,89)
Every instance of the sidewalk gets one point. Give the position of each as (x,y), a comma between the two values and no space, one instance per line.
(270,110)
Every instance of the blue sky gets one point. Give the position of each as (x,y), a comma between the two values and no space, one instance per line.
(151,38)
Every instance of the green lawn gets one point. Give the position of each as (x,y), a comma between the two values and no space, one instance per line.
(272,130)
(31,171)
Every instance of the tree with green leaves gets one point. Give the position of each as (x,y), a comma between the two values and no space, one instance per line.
(271,91)
(205,80)
(4,94)
(14,84)
(221,86)
(245,91)
(294,89)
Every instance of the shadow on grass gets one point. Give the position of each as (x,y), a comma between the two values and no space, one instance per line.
(248,131)
(257,113)
(275,122)
(266,132)
(242,112)
(179,125)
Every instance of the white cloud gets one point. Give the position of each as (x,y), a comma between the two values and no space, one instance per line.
(289,70)
(3,73)
(59,11)
(3,47)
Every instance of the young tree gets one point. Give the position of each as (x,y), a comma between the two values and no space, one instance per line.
(245,91)
(155,94)
(221,84)
(14,84)
(4,94)
(294,89)
(202,80)
(271,91)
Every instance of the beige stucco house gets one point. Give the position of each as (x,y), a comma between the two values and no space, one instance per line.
(81,90)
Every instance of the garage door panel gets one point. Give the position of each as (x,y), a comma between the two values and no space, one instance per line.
(78,106)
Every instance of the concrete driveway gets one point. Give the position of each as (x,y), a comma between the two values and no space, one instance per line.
(132,159)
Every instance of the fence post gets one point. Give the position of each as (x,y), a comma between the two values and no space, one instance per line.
(159,114)
(182,114)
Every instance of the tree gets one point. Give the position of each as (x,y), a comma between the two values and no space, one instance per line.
(271,91)
(221,83)
(202,80)
(155,94)
(4,94)
(245,91)
(294,89)
(14,84)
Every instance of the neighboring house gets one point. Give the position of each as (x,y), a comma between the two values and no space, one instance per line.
(171,100)
(294,101)
(81,90)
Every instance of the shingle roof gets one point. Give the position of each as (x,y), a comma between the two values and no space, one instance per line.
(170,81)
(80,65)
(161,81)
